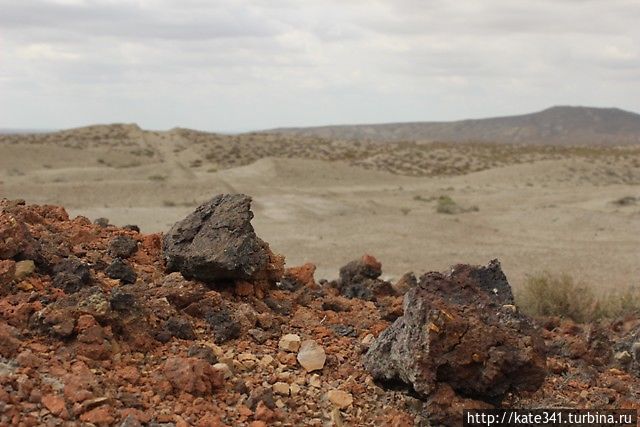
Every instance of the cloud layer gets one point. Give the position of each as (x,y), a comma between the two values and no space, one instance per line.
(249,64)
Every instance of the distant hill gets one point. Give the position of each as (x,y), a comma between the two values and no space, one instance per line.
(557,125)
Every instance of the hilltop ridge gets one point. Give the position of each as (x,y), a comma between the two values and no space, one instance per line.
(565,125)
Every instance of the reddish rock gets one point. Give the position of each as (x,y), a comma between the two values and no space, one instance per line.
(360,279)
(298,277)
(9,340)
(55,404)
(192,375)
(7,274)
(17,241)
(101,416)
(456,330)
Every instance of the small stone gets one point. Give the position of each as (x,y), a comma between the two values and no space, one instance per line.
(367,340)
(224,369)
(266,361)
(244,289)
(584,394)
(311,356)
(294,389)
(281,388)
(623,357)
(122,247)
(101,222)
(511,307)
(290,343)
(24,269)
(340,398)
(315,381)
(336,418)
(55,404)
(121,270)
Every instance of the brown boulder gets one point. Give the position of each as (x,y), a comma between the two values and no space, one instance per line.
(460,329)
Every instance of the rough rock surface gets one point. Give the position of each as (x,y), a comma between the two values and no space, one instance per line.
(456,330)
(112,353)
(360,279)
(217,242)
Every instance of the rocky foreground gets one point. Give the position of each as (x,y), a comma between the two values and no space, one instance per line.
(204,326)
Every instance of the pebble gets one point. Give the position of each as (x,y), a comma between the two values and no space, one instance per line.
(367,340)
(340,398)
(315,381)
(281,388)
(24,269)
(311,356)
(224,369)
(290,343)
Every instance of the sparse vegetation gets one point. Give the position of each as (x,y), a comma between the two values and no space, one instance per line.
(446,205)
(626,201)
(545,294)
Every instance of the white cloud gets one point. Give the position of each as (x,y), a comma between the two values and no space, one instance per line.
(246,64)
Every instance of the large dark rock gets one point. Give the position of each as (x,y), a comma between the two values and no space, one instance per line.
(216,242)
(461,329)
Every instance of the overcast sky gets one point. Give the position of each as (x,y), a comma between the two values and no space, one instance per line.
(250,64)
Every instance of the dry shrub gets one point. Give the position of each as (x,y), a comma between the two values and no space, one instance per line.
(545,294)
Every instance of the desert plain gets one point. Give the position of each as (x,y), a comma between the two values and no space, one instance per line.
(416,206)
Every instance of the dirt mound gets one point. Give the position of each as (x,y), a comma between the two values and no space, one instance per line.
(93,329)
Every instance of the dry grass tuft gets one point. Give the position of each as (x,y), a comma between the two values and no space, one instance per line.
(545,294)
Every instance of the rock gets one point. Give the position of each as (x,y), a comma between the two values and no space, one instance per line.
(17,241)
(132,227)
(311,356)
(406,282)
(192,375)
(455,330)
(290,343)
(101,222)
(217,242)
(340,398)
(295,278)
(360,279)
(24,269)
(101,416)
(55,404)
(7,274)
(122,247)
(623,357)
(224,370)
(367,340)
(9,340)
(344,330)
(203,352)
(71,275)
(130,421)
(122,298)
(121,270)
(180,327)
(281,388)
(258,335)
(315,381)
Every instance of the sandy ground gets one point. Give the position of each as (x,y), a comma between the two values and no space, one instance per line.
(556,214)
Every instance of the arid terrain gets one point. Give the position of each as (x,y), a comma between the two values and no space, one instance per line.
(415,206)
(139,288)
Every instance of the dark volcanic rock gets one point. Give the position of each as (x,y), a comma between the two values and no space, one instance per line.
(216,242)
(121,270)
(461,329)
(360,279)
(122,247)
(71,274)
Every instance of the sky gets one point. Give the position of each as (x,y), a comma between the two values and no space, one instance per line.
(238,65)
